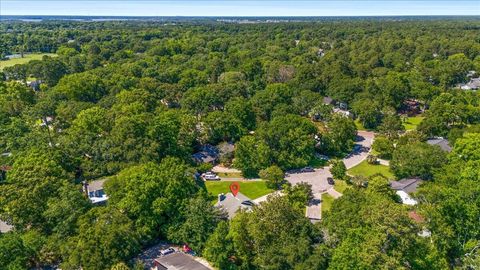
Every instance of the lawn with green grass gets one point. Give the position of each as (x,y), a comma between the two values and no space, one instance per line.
(251,189)
(327,201)
(25,59)
(340,186)
(411,123)
(367,170)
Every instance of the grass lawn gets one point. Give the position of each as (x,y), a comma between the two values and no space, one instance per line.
(25,59)
(251,189)
(327,201)
(368,170)
(411,123)
(340,186)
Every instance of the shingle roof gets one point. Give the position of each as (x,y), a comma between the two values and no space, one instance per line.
(408,185)
(232,204)
(180,261)
(443,143)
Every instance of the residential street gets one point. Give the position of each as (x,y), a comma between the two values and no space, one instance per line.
(318,179)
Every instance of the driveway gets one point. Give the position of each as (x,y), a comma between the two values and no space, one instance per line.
(318,179)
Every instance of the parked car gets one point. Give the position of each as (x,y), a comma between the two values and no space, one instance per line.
(210,176)
(330,181)
(167,251)
(307,169)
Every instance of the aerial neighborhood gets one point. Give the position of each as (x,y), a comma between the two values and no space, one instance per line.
(184,143)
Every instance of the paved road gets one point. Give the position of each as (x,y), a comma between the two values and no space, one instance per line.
(318,179)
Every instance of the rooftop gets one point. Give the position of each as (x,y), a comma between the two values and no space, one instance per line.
(178,261)
(207,154)
(4,227)
(232,204)
(407,185)
(95,191)
(443,143)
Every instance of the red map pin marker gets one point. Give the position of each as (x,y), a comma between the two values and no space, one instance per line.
(234,188)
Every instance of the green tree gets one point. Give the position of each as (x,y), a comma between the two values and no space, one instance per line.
(152,195)
(338,170)
(219,247)
(273,175)
(416,159)
(383,146)
(200,221)
(35,178)
(251,155)
(104,231)
(340,135)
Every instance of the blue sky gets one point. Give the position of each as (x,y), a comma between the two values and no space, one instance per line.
(240,8)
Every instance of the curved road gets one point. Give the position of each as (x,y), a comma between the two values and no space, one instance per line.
(318,179)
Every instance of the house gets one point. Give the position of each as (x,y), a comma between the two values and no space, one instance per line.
(405,187)
(3,172)
(94,191)
(473,84)
(441,142)
(328,101)
(178,261)
(343,112)
(207,154)
(419,219)
(231,204)
(35,85)
(410,107)
(4,227)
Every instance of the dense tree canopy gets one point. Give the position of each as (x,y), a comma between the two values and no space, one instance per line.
(131,101)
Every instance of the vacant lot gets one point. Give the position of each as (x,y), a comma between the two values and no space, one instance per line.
(367,170)
(25,59)
(251,189)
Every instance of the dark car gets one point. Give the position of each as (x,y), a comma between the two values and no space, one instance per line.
(307,169)
(330,181)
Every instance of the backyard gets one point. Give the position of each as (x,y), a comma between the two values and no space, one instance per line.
(25,59)
(411,123)
(365,169)
(251,188)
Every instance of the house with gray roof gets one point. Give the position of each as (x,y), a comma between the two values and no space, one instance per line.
(178,261)
(405,187)
(409,185)
(231,204)
(441,142)
(207,154)
(473,84)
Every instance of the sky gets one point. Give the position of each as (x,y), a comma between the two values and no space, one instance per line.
(240,8)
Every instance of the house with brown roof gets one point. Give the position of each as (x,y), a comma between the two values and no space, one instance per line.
(94,191)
